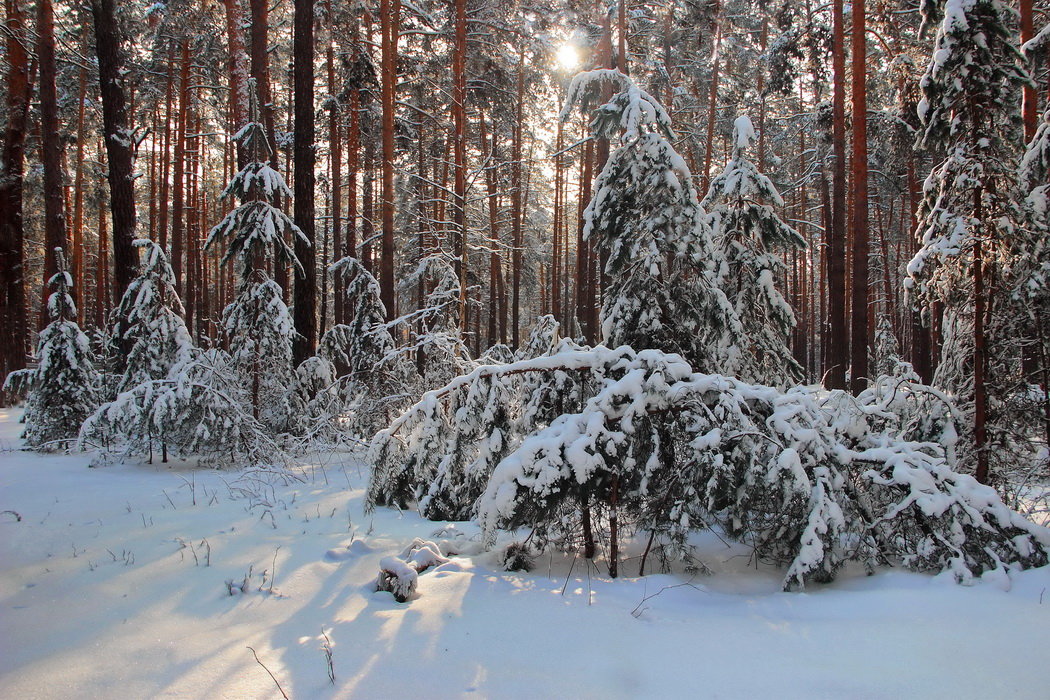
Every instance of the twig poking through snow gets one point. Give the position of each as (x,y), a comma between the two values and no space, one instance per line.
(327,647)
(638,610)
(284,694)
(273,574)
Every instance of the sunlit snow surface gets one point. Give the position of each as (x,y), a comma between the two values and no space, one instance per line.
(100,596)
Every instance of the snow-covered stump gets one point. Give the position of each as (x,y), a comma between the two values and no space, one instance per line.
(400,575)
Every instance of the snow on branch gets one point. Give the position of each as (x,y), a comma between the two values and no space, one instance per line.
(812,479)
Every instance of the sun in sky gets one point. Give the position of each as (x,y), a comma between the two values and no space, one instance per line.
(568,57)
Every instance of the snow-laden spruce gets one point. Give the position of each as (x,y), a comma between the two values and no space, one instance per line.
(174,399)
(587,444)
(260,330)
(374,377)
(200,410)
(437,339)
(150,329)
(62,390)
(646,220)
(968,224)
(257,322)
(811,479)
(746,230)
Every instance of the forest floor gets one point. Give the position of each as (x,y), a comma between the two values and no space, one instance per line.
(113,583)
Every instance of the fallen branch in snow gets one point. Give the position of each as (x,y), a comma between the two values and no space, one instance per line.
(284,694)
(638,610)
(18,518)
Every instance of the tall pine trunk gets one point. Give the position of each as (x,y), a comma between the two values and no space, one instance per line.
(305,308)
(12,161)
(838,339)
(389,15)
(859,316)
(116,126)
(51,150)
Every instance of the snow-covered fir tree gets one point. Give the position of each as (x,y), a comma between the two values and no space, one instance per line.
(257,322)
(1030,274)
(887,352)
(587,444)
(62,390)
(150,323)
(261,331)
(646,219)
(198,411)
(967,219)
(376,378)
(437,339)
(746,230)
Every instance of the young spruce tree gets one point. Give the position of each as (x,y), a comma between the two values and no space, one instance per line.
(257,322)
(62,389)
(151,324)
(746,230)
(967,220)
(646,219)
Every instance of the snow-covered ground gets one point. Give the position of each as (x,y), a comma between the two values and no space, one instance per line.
(113,583)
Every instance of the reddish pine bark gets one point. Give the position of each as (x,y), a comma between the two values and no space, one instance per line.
(12,160)
(116,125)
(859,317)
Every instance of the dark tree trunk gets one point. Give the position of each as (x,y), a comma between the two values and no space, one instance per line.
(489,154)
(51,151)
(78,203)
(980,390)
(389,15)
(517,212)
(335,166)
(12,160)
(1030,100)
(838,345)
(459,150)
(118,137)
(305,309)
(178,186)
(859,315)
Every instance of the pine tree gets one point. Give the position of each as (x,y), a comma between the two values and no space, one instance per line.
(364,354)
(632,440)
(260,330)
(646,219)
(437,336)
(62,389)
(746,230)
(257,322)
(887,349)
(150,323)
(1030,274)
(199,410)
(966,221)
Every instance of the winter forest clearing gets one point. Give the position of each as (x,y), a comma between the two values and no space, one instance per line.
(512,349)
(114,584)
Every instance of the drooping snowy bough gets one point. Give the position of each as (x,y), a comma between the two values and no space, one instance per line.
(582,445)
(810,478)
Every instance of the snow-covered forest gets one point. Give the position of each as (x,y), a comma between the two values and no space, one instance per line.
(383,339)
